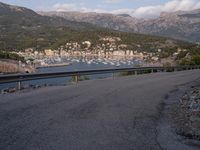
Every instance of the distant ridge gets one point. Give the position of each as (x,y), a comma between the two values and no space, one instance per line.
(182,25)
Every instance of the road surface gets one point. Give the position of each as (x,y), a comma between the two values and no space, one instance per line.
(107,114)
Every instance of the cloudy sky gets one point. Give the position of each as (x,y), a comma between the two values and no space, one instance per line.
(136,8)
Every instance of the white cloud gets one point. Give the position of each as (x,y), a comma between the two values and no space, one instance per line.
(141,12)
(112,1)
(122,11)
(171,6)
(65,7)
(75,7)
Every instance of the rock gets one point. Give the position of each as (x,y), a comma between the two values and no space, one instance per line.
(36,86)
(4,91)
(195,119)
(195,107)
(189,121)
(26,86)
(11,90)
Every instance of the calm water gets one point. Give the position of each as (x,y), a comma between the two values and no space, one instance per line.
(77,65)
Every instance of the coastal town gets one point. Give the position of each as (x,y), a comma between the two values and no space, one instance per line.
(109,51)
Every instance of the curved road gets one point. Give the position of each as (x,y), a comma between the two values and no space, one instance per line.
(119,114)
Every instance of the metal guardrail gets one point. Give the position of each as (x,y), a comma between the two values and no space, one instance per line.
(18,78)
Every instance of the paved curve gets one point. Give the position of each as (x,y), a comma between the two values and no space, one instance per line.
(119,114)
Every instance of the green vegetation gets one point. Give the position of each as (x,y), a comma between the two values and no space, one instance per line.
(8,55)
(194,60)
(192,50)
(54,37)
(79,78)
(168,67)
(127,73)
(167,52)
(190,57)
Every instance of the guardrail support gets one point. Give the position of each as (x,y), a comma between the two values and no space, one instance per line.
(19,85)
(76,78)
(136,72)
(113,75)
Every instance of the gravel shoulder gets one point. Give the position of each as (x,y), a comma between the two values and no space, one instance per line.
(179,125)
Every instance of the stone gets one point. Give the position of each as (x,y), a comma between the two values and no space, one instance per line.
(194,107)
(11,90)
(4,91)
(195,119)
(37,86)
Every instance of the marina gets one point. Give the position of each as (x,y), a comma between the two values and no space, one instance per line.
(50,65)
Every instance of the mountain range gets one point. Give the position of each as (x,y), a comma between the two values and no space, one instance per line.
(22,28)
(182,25)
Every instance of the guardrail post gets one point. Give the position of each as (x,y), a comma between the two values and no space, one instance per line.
(135,72)
(19,85)
(76,78)
(113,75)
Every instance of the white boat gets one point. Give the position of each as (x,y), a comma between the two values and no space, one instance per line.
(58,59)
(105,63)
(89,62)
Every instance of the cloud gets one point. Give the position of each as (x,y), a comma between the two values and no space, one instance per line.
(65,7)
(171,6)
(112,1)
(75,7)
(141,12)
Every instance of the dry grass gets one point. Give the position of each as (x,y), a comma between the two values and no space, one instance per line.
(6,67)
(12,67)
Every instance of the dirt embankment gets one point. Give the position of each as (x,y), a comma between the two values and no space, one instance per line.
(12,66)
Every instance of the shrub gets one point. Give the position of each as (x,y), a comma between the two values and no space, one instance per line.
(196,60)
(8,55)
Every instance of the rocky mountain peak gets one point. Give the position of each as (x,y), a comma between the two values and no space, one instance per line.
(182,25)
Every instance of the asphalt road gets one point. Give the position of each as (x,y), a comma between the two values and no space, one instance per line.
(119,114)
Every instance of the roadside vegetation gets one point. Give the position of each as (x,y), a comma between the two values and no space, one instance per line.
(194,60)
(79,78)
(9,55)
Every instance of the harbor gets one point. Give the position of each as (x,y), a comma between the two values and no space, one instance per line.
(50,65)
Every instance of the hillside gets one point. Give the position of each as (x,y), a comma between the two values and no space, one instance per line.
(179,25)
(23,28)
